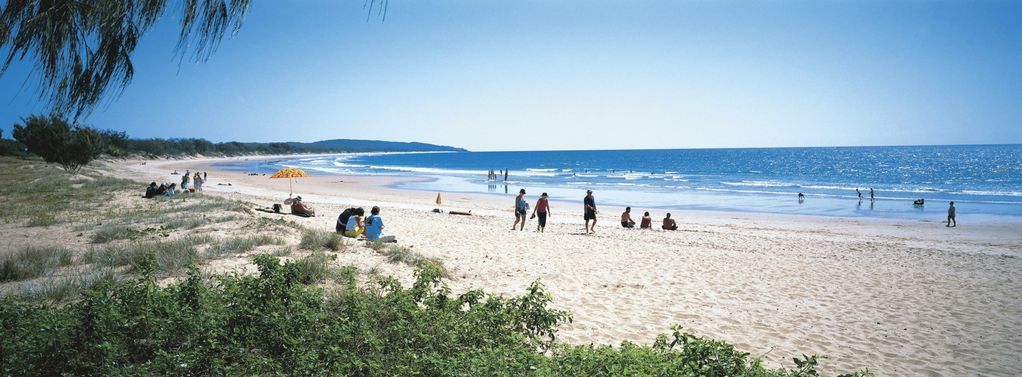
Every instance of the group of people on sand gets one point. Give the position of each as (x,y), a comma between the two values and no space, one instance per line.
(171,189)
(163,189)
(647,221)
(589,211)
(198,180)
(353,222)
(542,211)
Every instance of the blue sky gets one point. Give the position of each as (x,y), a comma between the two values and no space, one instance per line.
(524,75)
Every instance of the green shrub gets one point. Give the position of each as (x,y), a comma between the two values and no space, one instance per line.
(314,268)
(274,324)
(57,141)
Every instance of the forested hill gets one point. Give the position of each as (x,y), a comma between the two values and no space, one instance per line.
(349,145)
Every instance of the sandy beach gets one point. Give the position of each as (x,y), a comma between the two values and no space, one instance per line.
(899,297)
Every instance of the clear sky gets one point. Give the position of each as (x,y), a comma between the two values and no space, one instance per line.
(525,75)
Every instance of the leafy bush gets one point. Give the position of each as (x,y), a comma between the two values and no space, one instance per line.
(57,141)
(273,324)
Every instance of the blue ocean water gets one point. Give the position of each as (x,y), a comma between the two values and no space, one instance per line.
(981,179)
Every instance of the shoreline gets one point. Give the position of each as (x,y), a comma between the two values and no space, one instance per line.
(899,297)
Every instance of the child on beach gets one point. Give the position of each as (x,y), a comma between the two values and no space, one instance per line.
(626,218)
(374,227)
(521,208)
(647,222)
(543,210)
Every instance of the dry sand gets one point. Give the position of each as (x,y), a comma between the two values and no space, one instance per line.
(899,297)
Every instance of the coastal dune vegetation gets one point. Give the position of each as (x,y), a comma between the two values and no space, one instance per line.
(97,280)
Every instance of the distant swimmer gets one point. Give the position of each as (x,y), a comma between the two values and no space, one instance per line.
(872,197)
(859,194)
(801,197)
(951,215)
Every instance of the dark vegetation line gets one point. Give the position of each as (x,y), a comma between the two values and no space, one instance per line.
(57,140)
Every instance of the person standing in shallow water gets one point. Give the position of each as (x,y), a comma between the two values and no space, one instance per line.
(871,196)
(951,215)
(590,211)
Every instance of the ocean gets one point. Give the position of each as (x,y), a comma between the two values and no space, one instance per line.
(983,180)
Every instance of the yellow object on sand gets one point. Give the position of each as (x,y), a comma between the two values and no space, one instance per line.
(438,201)
(290,173)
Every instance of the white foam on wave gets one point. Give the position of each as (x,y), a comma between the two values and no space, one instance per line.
(760,184)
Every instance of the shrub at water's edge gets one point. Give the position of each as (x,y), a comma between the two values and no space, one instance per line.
(272,323)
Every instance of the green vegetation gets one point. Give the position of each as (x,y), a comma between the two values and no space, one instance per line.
(32,261)
(316,240)
(55,140)
(274,324)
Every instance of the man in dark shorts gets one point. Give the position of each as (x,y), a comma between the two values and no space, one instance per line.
(590,211)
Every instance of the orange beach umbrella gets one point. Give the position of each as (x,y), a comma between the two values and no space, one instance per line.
(290,173)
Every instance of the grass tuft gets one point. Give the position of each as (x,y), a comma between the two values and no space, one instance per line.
(316,240)
(113,233)
(237,245)
(32,262)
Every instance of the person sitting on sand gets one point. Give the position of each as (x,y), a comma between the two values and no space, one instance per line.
(374,227)
(647,222)
(542,210)
(626,218)
(669,223)
(150,191)
(342,219)
(355,224)
(171,190)
(298,207)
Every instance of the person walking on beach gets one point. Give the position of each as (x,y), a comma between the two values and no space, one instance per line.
(590,211)
(521,208)
(542,210)
(626,218)
(951,215)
